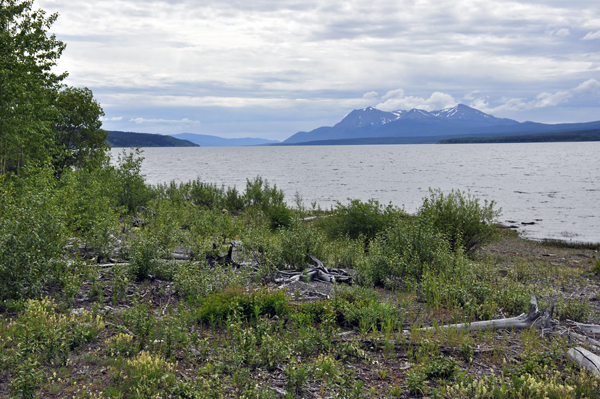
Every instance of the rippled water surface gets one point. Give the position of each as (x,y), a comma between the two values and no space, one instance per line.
(554,185)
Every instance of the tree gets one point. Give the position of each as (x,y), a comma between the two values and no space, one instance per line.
(28,87)
(79,138)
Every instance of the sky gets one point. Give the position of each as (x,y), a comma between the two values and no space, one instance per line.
(271,68)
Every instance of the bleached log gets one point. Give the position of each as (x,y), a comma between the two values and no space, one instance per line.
(586,328)
(585,358)
(533,317)
(589,342)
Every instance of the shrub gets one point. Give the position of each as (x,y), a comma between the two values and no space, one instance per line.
(360,219)
(461,218)
(219,306)
(260,196)
(573,309)
(132,192)
(194,282)
(442,368)
(45,334)
(148,375)
(32,235)
(405,250)
(90,209)
(362,307)
(296,242)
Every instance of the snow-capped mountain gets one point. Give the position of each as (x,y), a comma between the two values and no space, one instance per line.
(371,122)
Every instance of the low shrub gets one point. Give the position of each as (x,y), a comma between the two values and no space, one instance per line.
(247,305)
(147,375)
(261,197)
(573,309)
(405,250)
(45,334)
(296,243)
(33,235)
(194,282)
(441,368)
(461,218)
(360,219)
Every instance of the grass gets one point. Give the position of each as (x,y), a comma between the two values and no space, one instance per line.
(242,340)
(555,243)
(159,328)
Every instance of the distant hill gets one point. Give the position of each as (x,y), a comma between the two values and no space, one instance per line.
(419,126)
(215,141)
(580,135)
(130,139)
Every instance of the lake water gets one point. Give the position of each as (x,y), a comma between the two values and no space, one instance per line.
(554,185)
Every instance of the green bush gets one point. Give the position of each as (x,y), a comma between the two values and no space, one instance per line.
(360,219)
(90,208)
(132,192)
(461,218)
(573,309)
(194,282)
(441,368)
(260,196)
(405,250)
(296,242)
(32,235)
(219,306)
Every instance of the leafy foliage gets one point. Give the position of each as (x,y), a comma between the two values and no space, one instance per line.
(360,219)
(28,86)
(79,138)
(406,250)
(32,235)
(461,218)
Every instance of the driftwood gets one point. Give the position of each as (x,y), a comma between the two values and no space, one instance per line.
(585,358)
(589,343)
(316,272)
(534,317)
(586,328)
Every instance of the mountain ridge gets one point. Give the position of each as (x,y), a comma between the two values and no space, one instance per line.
(204,140)
(460,120)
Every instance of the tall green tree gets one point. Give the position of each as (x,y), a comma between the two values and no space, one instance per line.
(79,138)
(28,86)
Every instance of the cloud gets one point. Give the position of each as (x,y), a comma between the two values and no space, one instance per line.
(185,121)
(562,32)
(113,119)
(591,86)
(395,100)
(542,100)
(230,57)
(550,100)
(592,35)
(471,95)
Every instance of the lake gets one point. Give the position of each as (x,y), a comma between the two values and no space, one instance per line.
(556,186)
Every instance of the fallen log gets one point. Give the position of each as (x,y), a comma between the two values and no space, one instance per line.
(587,341)
(585,358)
(535,317)
(316,272)
(586,328)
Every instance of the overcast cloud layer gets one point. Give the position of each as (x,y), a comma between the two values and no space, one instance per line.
(270,68)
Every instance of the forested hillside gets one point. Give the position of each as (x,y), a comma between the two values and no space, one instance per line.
(133,140)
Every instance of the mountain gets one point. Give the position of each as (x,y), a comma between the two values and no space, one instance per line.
(419,126)
(130,139)
(215,141)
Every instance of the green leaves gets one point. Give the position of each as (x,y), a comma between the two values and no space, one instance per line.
(27,84)
(463,220)
(78,135)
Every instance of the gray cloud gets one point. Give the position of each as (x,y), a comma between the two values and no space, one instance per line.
(513,57)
